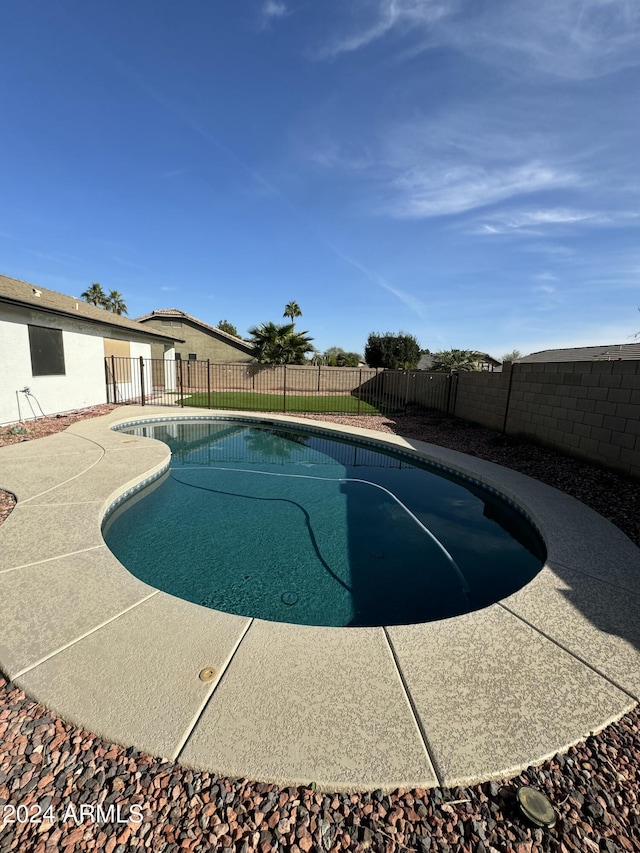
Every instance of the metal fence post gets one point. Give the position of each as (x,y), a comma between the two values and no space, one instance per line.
(142,379)
(453,393)
(284,389)
(506,407)
(359,388)
(208,384)
(113,379)
(181,378)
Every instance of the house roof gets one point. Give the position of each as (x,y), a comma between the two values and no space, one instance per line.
(168,313)
(16,292)
(607,352)
(489,359)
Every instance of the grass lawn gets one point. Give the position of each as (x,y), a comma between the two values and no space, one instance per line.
(274,402)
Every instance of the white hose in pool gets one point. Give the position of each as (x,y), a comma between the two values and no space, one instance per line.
(433,537)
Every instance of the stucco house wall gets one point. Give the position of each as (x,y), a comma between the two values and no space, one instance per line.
(205,341)
(83,342)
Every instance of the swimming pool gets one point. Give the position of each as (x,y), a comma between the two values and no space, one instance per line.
(289,525)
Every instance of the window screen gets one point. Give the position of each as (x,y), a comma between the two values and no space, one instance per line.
(192,356)
(47,352)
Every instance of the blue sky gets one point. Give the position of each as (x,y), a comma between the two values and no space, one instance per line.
(467,171)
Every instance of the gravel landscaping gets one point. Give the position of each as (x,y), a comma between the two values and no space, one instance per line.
(50,769)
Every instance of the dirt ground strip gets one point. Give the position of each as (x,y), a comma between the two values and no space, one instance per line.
(62,788)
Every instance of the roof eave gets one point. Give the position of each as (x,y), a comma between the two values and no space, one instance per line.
(22,303)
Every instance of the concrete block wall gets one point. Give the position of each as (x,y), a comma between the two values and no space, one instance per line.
(481,396)
(271,378)
(590,410)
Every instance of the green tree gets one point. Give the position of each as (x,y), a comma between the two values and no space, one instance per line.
(394,352)
(514,355)
(95,295)
(279,344)
(292,310)
(115,302)
(229,328)
(455,359)
(337,357)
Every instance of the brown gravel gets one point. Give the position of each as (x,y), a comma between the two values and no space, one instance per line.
(46,763)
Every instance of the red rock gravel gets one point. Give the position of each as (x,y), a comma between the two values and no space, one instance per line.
(49,769)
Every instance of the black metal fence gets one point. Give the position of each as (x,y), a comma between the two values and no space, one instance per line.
(276,388)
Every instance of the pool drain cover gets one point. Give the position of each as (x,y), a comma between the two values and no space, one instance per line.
(289,598)
(536,807)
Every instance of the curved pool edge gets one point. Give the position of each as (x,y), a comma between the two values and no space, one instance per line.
(466,699)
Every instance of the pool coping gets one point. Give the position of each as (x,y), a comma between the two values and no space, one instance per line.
(462,700)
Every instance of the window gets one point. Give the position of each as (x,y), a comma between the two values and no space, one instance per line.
(47,351)
(178,356)
(192,356)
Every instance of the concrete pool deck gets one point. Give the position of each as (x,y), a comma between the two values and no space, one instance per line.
(452,702)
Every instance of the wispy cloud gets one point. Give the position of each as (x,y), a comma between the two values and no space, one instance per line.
(574,38)
(546,294)
(555,251)
(168,289)
(459,161)
(539,220)
(545,276)
(431,191)
(532,221)
(332,155)
(272,10)
(129,264)
(375,20)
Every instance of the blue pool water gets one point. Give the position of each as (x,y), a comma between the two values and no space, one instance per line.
(293,526)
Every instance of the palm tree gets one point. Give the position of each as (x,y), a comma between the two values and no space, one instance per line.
(273,344)
(115,302)
(95,295)
(292,309)
(455,359)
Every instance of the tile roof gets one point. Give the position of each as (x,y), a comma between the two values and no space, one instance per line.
(17,292)
(606,352)
(176,312)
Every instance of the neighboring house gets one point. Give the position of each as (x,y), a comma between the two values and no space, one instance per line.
(608,352)
(200,340)
(488,362)
(484,362)
(55,346)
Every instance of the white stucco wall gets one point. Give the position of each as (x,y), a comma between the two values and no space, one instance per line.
(83,383)
(170,368)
